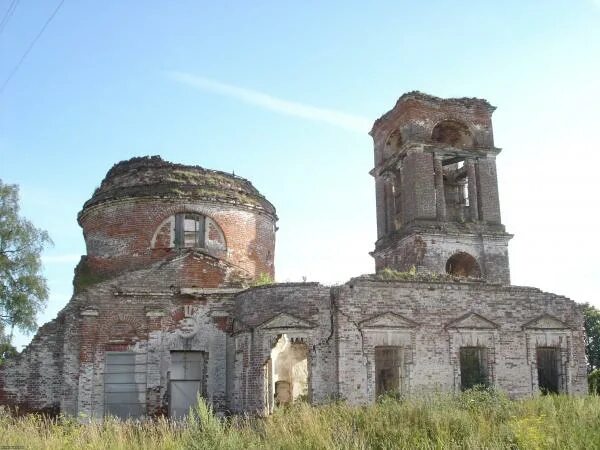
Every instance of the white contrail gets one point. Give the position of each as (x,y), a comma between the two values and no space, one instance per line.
(266,101)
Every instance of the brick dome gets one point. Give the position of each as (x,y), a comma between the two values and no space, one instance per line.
(148,210)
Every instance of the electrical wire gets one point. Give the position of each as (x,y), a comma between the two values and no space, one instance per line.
(12,73)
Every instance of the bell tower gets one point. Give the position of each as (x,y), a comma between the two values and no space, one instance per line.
(436,189)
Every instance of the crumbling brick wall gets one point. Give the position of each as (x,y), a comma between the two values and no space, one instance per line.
(438,189)
(300,310)
(135,288)
(432,320)
(33,380)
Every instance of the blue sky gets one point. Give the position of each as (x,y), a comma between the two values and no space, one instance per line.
(283,93)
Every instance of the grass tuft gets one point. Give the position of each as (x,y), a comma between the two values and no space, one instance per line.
(481,418)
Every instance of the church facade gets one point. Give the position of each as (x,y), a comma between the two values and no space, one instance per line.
(168,303)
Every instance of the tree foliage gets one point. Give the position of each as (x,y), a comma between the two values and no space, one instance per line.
(592,338)
(6,348)
(23,290)
(594,381)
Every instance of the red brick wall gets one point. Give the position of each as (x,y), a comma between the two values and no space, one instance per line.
(119,234)
(416,114)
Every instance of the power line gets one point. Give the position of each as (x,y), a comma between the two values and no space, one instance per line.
(8,14)
(12,73)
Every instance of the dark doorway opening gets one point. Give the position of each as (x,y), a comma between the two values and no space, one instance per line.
(547,368)
(388,370)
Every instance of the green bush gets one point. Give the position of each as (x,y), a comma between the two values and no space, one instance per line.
(264,279)
(388,274)
(594,382)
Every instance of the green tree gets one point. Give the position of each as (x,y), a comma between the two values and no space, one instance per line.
(594,381)
(592,336)
(6,348)
(23,290)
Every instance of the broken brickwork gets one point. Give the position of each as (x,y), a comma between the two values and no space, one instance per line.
(163,307)
(436,186)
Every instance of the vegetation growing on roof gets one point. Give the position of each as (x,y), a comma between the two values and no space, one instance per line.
(264,279)
(154,177)
(389,274)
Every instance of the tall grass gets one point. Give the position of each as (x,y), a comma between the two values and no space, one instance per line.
(473,420)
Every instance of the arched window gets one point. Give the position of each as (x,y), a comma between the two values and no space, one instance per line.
(190,230)
(462,264)
(452,133)
(197,231)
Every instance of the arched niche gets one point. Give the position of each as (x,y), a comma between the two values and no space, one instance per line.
(393,144)
(122,330)
(462,264)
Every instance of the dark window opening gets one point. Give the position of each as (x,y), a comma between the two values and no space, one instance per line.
(388,370)
(397,180)
(473,367)
(385,208)
(283,393)
(190,230)
(456,188)
(463,265)
(547,368)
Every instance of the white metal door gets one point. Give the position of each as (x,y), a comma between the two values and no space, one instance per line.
(124,385)
(187,373)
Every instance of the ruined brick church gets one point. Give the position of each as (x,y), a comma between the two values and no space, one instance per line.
(163,308)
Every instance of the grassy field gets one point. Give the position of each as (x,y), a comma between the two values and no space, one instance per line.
(475,419)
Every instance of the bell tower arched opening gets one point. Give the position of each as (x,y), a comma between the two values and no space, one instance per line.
(453,134)
(462,264)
